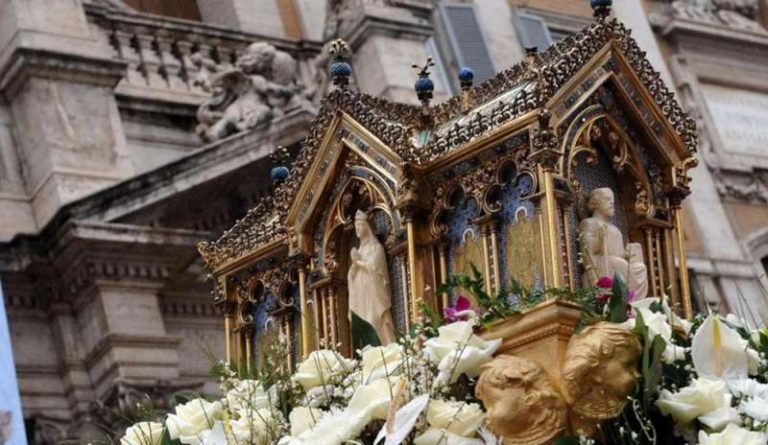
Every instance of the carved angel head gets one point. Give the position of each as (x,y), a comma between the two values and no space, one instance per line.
(600,370)
(523,406)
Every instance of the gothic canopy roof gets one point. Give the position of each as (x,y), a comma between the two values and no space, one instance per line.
(421,136)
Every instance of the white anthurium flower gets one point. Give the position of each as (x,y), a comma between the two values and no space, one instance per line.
(702,396)
(371,401)
(321,367)
(303,419)
(396,430)
(457,350)
(719,352)
(191,419)
(381,361)
(254,426)
(143,433)
(437,436)
(756,408)
(718,419)
(460,418)
(247,394)
(732,435)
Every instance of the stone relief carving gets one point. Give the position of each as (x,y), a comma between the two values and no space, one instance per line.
(261,86)
(735,14)
(751,188)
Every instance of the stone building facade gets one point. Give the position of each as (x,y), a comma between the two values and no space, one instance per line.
(120,151)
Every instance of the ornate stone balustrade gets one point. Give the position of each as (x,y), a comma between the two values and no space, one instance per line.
(171,59)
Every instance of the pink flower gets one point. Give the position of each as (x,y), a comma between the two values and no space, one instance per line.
(603,297)
(605,282)
(458,311)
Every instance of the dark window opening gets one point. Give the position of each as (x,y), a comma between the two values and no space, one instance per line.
(182,9)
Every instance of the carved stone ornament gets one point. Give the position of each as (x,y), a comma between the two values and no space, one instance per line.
(523,406)
(740,15)
(262,85)
(600,370)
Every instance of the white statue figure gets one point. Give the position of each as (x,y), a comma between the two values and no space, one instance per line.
(368,281)
(604,245)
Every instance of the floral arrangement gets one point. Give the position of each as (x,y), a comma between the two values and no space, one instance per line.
(705,380)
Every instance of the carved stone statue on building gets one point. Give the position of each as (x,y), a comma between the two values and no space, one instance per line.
(370,297)
(261,86)
(604,250)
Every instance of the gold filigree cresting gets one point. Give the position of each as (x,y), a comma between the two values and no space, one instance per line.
(509,95)
(523,406)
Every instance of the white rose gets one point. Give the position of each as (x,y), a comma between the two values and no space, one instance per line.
(457,350)
(254,426)
(371,401)
(701,397)
(753,361)
(334,428)
(756,408)
(247,394)
(321,367)
(303,419)
(459,418)
(656,323)
(673,353)
(717,420)
(436,436)
(748,388)
(144,433)
(191,419)
(381,361)
(732,435)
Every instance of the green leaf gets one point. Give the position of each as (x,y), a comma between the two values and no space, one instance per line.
(617,306)
(567,440)
(363,333)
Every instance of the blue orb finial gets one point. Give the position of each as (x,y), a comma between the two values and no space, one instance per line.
(280,159)
(602,8)
(340,69)
(424,85)
(466,77)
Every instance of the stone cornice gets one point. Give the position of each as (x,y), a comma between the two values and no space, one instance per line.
(138,341)
(25,63)
(368,24)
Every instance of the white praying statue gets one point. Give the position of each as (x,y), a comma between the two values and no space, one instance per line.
(368,281)
(604,244)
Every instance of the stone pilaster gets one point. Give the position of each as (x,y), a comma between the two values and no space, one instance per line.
(57,80)
(385,42)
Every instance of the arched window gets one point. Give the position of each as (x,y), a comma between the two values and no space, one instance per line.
(182,9)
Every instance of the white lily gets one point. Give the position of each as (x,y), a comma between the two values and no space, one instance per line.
(719,352)
(405,420)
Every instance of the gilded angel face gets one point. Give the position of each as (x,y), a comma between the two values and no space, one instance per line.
(522,405)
